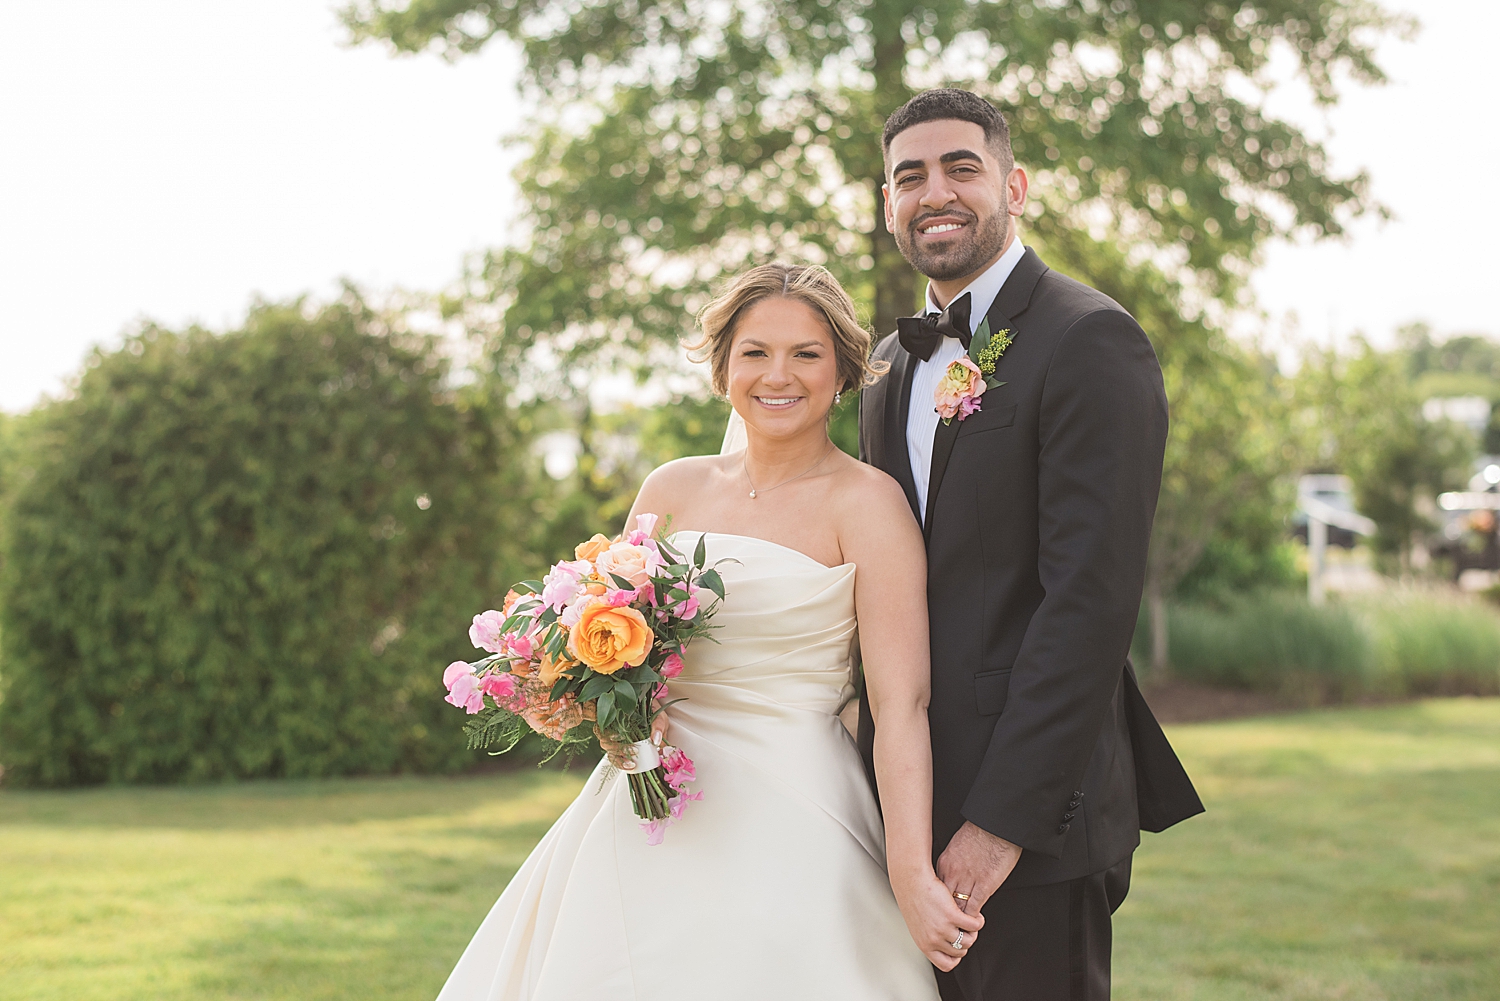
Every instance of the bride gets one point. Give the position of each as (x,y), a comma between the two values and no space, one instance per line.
(786,881)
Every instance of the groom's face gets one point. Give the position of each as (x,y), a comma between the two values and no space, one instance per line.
(949,199)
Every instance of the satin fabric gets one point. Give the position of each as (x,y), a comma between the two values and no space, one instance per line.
(774,884)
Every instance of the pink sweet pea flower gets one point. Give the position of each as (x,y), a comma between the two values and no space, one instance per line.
(618,598)
(485,632)
(671,667)
(560,586)
(961,384)
(505,689)
(463,687)
(677,804)
(688,608)
(679,768)
(517,646)
(645,527)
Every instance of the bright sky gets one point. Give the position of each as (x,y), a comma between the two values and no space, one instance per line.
(172,159)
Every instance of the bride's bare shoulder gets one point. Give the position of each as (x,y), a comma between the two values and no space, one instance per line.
(870,498)
(671,484)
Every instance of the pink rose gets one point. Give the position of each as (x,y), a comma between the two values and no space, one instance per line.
(958,391)
(671,667)
(485,632)
(632,563)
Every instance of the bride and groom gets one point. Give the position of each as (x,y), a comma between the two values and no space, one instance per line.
(983,564)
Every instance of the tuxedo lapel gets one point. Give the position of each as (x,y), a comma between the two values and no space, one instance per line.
(1014,297)
(903,370)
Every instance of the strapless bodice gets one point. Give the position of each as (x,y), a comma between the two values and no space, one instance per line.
(784,636)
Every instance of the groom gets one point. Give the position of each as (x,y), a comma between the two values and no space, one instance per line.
(1036,500)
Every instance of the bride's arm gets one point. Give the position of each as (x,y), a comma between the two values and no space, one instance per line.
(879,535)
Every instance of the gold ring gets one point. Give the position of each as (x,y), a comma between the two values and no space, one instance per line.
(961,897)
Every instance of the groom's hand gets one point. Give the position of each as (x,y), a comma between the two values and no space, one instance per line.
(976,862)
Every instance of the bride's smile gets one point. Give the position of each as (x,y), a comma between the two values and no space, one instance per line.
(783,373)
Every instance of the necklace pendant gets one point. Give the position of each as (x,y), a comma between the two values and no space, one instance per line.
(752,495)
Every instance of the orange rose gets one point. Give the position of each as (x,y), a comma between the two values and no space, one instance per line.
(553,669)
(511,597)
(608,639)
(591,549)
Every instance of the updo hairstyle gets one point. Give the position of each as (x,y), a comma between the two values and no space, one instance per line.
(807,283)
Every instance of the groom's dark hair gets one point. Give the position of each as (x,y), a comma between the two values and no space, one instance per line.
(950,102)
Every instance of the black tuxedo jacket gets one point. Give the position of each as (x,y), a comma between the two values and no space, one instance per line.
(1039,511)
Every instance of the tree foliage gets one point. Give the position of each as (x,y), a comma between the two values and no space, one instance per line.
(1364,416)
(250,555)
(676,139)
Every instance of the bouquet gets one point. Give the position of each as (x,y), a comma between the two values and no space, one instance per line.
(591,645)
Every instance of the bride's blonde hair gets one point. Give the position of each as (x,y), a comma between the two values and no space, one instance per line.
(807,283)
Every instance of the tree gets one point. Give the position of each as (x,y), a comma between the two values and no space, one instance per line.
(679,139)
(250,554)
(1367,418)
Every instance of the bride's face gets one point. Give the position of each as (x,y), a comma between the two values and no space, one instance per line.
(782,368)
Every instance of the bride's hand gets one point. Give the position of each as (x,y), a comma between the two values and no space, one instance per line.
(620,755)
(934,918)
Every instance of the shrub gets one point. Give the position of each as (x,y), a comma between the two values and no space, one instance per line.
(1274,642)
(1395,645)
(1429,646)
(248,555)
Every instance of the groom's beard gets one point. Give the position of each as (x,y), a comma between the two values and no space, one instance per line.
(963,254)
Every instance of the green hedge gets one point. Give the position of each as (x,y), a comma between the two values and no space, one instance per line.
(1394,645)
(216,563)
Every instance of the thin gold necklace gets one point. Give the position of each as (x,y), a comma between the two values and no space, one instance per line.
(745,465)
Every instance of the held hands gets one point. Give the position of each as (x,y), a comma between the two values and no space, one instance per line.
(976,862)
(620,755)
(934,918)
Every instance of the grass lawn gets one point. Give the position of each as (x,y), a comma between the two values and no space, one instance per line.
(1346,854)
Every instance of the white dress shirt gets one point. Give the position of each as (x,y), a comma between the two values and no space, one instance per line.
(922,418)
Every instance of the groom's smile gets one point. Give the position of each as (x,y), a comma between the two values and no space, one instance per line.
(948,200)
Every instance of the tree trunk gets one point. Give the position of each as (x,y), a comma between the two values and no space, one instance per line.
(895,282)
(1156,603)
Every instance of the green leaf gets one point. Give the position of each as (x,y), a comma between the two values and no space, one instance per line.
(711,580)
(625,690)
(595,686)
(529,586)
(700,554)
(980,340)
(558,688)
(605,707)
(621,582)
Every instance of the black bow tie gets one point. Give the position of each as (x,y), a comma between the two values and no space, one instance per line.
(922,334)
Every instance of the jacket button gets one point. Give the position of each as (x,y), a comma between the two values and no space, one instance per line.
(1069,816)
(1077,794)
(1062,828)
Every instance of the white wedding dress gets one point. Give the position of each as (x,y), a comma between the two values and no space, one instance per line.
(773,886)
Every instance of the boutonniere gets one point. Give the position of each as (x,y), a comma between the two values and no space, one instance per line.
(967,379)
